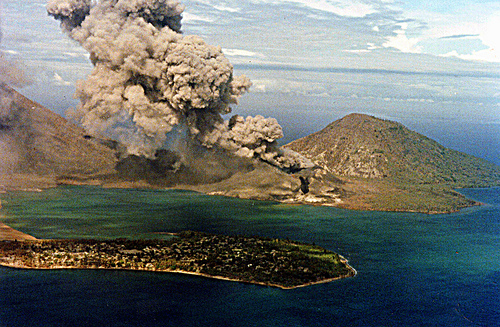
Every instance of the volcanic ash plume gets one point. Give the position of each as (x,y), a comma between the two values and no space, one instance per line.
(9,74)
(149,78)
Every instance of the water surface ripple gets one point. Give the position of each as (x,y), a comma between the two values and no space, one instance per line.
(413,269)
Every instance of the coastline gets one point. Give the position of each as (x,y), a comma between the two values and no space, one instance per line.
(177,271)
(364,197)
(8,233)
(13,259)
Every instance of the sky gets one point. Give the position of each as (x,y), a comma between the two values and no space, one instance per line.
(432,65)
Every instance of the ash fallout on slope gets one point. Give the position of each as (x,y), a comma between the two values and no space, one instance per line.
(150,82)
(10,73)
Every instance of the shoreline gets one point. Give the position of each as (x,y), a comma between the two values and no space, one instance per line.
(346,203)
(12,262)
(8,233)
(324,281)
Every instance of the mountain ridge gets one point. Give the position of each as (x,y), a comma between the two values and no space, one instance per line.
(364,146)
(37,142)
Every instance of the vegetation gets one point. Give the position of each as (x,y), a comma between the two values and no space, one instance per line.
(365,146)
(389,167)
(393,196)
(258,260)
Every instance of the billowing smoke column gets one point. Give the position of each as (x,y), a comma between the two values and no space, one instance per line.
(149,78)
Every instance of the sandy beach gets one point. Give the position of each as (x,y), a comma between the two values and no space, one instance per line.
(20,265)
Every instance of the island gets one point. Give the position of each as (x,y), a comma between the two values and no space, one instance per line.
(271,262)
(358,162)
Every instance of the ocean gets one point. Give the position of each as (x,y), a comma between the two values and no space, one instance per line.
(413,269)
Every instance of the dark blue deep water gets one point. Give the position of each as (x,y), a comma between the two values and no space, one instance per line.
(413,269)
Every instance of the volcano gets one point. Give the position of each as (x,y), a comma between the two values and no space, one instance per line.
(38,143)
(357,162)
(386,166)
(364,146)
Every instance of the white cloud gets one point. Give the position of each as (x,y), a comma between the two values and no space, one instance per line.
(283,85)
(479,21)
(489,55)
(241,53)
(77,54)
(60,81)
(369,47)
(188,17)
(11,52)
(224,8)
(358,51)
(489,34)
(401,41)
(344,8)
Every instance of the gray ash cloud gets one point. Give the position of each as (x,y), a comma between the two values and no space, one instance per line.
(150,80)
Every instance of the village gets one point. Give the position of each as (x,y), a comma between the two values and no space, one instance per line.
(272,262)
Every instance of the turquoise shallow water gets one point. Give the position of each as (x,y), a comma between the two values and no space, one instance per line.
(413,269)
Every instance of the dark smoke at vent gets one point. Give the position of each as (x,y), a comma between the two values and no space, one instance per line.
(149,79)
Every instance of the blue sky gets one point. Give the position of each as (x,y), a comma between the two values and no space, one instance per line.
(432,65)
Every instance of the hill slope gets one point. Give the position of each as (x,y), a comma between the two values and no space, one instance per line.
(382,165)
(364,146)
(38,142)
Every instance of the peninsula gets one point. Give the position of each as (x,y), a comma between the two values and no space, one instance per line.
(270,262)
